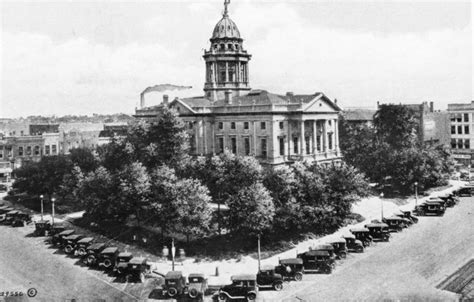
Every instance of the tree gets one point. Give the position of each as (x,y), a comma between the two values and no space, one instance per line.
(114,155)
(251,210)
(396,125)
(84,158)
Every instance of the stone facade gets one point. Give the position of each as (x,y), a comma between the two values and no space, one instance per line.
(462,132)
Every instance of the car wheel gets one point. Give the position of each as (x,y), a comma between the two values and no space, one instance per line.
(359,249)
(251,297)
(90,260)
(68,249)
(81,251)
(107,263)
(343,255)
(222,297)
(172,291)
(298,276)
(193,293)
(278,286)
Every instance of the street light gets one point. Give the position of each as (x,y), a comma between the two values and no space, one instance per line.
(52,214)
(173,250)
(416,193)
(381,205)
(41,196)
(258,251)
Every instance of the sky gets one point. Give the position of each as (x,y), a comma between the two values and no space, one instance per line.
(84,57)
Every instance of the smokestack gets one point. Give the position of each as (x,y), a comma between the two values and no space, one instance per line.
(165,99)
(142,100)
(228,97)
(431,106)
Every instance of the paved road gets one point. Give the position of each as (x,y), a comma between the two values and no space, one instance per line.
(27,262)
(407,268)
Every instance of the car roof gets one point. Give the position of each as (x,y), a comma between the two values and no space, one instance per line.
(322,247)
(96,246)
(125,254)
(72,237)
(110,250)
(85,240)
(172,274)
(197,275)
(66,232)
(359,230)
(42,221)
(291,261)
(338,240)
(137,260)
(243,277)
(376,225)
(58,226)
(267,267)
(317,253)
(13,212)
(348,236)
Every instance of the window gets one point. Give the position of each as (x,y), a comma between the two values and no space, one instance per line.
(459,143)
(295,145)
(330,141)
(233,145)
(453,143)
(221,145)
(281,125)
(466,129)
(220,125)
(467,144)
(466,117)
(28,150)
(222,73)
(282,146)
(459,129)
(453,129)
(232,125)
(247,145)
(46,150)
(1,151)
(263,125)
(307,145)
(264,147)
(37,150)
(53,149)
(452,116)
(459,117)
(246,125)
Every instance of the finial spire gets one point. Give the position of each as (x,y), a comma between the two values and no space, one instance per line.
(226,13)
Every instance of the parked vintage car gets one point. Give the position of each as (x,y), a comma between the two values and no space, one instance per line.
(378,231)
(291,268)
(430,208)
(80,248)
(268,278)
(58,238)
(325,247)
(175,284)
(340,248)
(466,191)
(70,242)
(395,223)
(317,261)
(42,227)
(353,244)
(362,234)
(9,216)
(56,229)
(450,200)
(92,253)
(5,209)
(408,215)
(243,287)
(136,270)
(108,257)
(21,219)
(121,263)
(197,286)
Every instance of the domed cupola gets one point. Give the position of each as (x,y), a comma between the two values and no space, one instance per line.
(226,60)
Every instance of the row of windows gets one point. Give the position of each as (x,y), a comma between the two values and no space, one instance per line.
(460,144)
(459,129)
(458,117)
(36,150)
(263,125)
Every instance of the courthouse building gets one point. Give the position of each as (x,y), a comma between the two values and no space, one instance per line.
(275,128)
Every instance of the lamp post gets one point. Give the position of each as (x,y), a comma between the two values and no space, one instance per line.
(52,213)
(416,193)
(258,251)
(41,196)
(173,250)
(381,205)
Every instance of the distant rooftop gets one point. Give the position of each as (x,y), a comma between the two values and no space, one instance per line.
(359,114)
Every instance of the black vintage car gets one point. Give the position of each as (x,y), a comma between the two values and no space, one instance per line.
(466,191)
(430,207)
(92,253)
(108,257)
(340,248)
(378,231)
(9,216)
(267,277)
(325,247)
(70,242)
(80,249)
(175,284)
(291,268)
(243,287)
(21,219)
(121,263)
(450,200)
(42,227)
(58,238)
(362,234)
(317,261)
(395,223)
(137,269)
(353,244)
(408,215)
(197,286)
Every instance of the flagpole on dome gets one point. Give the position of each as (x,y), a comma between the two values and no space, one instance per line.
(226,2)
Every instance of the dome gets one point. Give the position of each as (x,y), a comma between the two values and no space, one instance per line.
(225,28)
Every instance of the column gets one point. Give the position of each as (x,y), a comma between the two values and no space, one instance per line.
(336,135)
(226,71)
(213,131)
(315,140)
(204,136)
(237,72)
(196,136)
(325,136)
(254,139)
(289,137)
(303,141)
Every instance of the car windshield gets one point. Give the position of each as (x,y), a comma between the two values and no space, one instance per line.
(171,282)
(195,280)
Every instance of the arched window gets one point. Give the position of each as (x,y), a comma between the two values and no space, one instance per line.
(230,46)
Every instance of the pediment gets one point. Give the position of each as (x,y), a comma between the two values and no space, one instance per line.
(321,103)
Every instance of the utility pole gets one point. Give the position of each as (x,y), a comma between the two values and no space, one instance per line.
(52,214)
(173,250)
(258,251)
(416,193)
(381,205)
(41,196)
